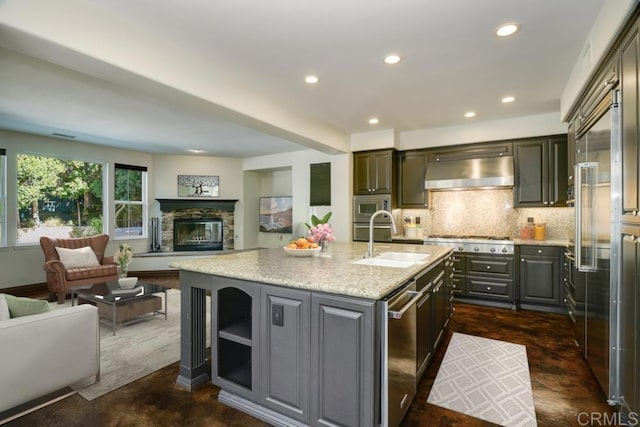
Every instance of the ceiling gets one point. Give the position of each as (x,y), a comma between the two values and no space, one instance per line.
(226,77)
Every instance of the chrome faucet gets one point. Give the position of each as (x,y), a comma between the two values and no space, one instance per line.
(369,253)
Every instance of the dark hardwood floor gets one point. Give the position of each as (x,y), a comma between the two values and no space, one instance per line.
(563,386)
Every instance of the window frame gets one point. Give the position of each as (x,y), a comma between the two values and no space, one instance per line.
(143,202)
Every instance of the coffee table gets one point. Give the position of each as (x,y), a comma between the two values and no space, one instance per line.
(119,305)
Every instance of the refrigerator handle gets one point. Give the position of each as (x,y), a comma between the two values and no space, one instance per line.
(578,212)
(591,170)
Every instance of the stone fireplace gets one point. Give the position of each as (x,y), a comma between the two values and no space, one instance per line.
(202,224)
(197,234)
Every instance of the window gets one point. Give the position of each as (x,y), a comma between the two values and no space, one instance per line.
(130,201)
(3,197)
(58,198)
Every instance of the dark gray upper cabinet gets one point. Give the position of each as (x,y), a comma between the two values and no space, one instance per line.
(606,80)
(571,151)
(540,278)
(374,172)
(541,172)
(629,58)
(412,167)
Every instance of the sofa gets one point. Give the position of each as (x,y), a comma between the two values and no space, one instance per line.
(61,277)
(46,352)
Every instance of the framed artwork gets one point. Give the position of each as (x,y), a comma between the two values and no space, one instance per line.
(198,186)
(276,214)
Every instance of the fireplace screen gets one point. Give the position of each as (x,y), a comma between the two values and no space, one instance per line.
(197,234)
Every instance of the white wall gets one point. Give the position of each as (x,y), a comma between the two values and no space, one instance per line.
(298,164)
(375,140)
(519,127)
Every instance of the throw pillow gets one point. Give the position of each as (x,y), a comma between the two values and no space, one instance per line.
(4,308)
(74,258)
(21,306)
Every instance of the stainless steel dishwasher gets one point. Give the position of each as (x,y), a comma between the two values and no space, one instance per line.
(401,352)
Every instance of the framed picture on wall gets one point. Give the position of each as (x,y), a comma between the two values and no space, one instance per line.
(198,186)
(276,214)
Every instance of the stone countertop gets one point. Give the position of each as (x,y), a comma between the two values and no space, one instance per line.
(330,272)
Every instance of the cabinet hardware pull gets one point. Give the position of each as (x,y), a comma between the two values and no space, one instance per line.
(415,296)
(522,259)
(488,288)
(488,267)
(539,251)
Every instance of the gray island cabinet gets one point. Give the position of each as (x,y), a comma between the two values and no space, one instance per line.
(302,340)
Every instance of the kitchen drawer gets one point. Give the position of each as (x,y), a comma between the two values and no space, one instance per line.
(569,290)
(424,282)
(551,251)
(458,262)
(571,308)
(490,266)
(458,285)
(570,303)
(490,288)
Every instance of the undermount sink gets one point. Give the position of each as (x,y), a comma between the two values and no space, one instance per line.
(393,259)
(381,262)
(403,256)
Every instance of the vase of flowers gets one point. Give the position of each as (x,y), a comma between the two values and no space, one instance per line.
(321,231)
(123,257)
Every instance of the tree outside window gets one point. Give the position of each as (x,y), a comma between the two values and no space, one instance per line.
(130,196)
(58,198)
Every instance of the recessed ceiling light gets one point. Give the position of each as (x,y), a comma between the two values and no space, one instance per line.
(392,59)
(311,79)
(470,114)
(195,150)
(374,121)
(506,30)
(508,99)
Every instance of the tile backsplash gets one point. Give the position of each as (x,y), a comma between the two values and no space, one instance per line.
(486,212)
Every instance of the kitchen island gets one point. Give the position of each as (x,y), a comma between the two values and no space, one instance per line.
(304,340)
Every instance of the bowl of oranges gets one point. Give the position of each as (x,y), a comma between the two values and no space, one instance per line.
(302,247)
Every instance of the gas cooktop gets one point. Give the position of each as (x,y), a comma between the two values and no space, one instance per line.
(473,244)
(467,237)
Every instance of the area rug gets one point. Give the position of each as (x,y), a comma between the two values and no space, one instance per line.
(138,349)
(486,379)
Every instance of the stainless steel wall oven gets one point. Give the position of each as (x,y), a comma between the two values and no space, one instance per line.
(363,207)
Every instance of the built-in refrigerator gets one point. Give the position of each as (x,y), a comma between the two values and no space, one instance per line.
(597,206)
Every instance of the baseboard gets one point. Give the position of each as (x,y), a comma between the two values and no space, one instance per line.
(37,290)
(30,291)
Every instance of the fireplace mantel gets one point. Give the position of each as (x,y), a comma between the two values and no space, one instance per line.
(168,205)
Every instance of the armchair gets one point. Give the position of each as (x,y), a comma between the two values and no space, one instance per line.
(60,279)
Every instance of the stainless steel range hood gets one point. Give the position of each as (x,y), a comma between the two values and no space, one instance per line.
(486,172)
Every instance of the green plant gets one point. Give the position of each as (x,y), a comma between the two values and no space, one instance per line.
(96,224)
(316,221)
